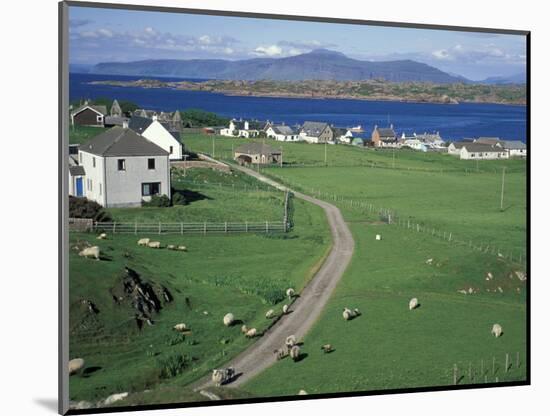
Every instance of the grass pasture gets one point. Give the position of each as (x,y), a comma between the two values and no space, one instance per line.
(81,134)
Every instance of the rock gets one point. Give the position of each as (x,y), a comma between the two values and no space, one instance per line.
(113,398)
(83,404)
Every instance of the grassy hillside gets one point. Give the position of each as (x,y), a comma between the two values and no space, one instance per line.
(81,134)
(242,274)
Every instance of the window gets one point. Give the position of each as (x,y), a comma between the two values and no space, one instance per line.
(121,164)
(171,149)
(152,188)
(93,162)
(151,164)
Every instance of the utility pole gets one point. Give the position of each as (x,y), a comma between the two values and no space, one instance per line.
(393,159)
(502,190)
(213,146)
(281,156)
(185,165)
(325,153)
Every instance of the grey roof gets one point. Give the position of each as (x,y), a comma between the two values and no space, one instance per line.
(77,170)
(514,144)
(257,149)
(488,140)
(283,129)
(119,141)
(339,131)
(139,124)
(386,132)
(314,128)
(99,108)
(481,147)
(459,145)
(115,120)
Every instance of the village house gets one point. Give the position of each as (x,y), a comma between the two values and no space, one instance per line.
(89,115)
(257,153)
(454,147)
(470,151)
(120,168)
(240,128)
(341,135)
(171,120)
(282,133)
(515,148)
(316,132)
(415,144)
(384,137)
(155,131)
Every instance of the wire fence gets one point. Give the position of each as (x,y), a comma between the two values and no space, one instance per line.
(497,369)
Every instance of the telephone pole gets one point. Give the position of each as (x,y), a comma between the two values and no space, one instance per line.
(213,146)
(325,153)
(502,190)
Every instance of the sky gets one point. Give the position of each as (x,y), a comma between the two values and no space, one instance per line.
(108,35)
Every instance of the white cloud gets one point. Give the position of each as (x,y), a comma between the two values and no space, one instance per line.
(272,50)
(105,32)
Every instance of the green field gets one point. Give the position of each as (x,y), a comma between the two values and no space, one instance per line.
(242,274)
(81,134)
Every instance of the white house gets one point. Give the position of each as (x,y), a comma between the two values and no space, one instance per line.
(240,128)
(157,132)
(123,168)
(472,151)
(454,148)
(341,135)
(515,148)
(415,144)
(282,133)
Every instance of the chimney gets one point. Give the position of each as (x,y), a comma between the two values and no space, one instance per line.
(155,117)
(125,124)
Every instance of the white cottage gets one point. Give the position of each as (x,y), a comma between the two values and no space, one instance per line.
(122,168)
(282,133)
(515,148)
(471,151)
(158,133)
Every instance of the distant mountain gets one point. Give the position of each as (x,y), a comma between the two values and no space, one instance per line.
(80,68)
(320,64)
(512,79)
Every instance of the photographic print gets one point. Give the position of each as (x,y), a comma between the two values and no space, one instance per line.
(274,207)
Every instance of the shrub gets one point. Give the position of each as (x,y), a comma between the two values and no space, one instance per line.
(172,365)
(178,198)
(157,201)
(81,207)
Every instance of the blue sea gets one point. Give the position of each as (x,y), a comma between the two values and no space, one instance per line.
(454,122)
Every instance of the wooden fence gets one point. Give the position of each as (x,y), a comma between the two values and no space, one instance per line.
(81,224)
(190,228)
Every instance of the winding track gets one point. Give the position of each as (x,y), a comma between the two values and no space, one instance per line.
(307,307)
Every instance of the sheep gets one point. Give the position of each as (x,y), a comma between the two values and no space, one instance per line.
(114,398)
(281,353)
(102,236)
(285,309)
(180,327)
(251,333)
(153,244)
(327,348)
(75,365)
(143,241)
(171,247)
(244,329)
(295,352)
(290,341)
(222,376)
(302,393)
(228,319)
(378,237)
(290,293)
(270,314)
(90,252)
(182,248)
(349,314)
(413,304)
(497,330)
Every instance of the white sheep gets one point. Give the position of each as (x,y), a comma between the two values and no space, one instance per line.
(413,304)
(349,314)
(497,330)
(290,293)
(180,327)
(327,348)
(75,365)
(270,314)
(228,319)
(114,398)
(153,244)
(171,247)
(182,248)
(222,376)
(102,236)
(285,309)
(295,352)
(378,237)
(244,329)
(281,353)
(90,252)
(143,241)
(302,393)
(251,333)
(290,341)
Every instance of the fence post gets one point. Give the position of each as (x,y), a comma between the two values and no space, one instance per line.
(266,227)
(507,361)
(205,228)
(455,375)
(181,228)
(246,226)
(114,227)
(450,235)
(160,227)
(226,227)
(135,228)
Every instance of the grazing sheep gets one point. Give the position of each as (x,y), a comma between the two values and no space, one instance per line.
(497,330)
(153,244)
(285,309)
(378,237)
(222,376)
(228,319)
(270,314)
(429,261)
(290,341)
(180,327)
(114,398)
(349,314)
(295,352)
(251,333)
(281,353)
(143,241)
(75,365)
(102,236)
(327,348)
(290,293)
(302,393)
(90,252)
(171,247)
(244,329)
(182,248)
(413,304)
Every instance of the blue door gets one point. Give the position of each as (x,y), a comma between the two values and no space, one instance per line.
(79,186)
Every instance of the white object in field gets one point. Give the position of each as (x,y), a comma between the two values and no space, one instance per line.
(378,237)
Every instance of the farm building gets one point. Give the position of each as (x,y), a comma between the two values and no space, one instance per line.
(158,132)
(316,132)
(482,151)
(384,137)
(89,115)
(257,153)
(282,133)
(515,148)
(122,168)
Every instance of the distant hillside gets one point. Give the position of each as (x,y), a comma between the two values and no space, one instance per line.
(320,64)
(512,79)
